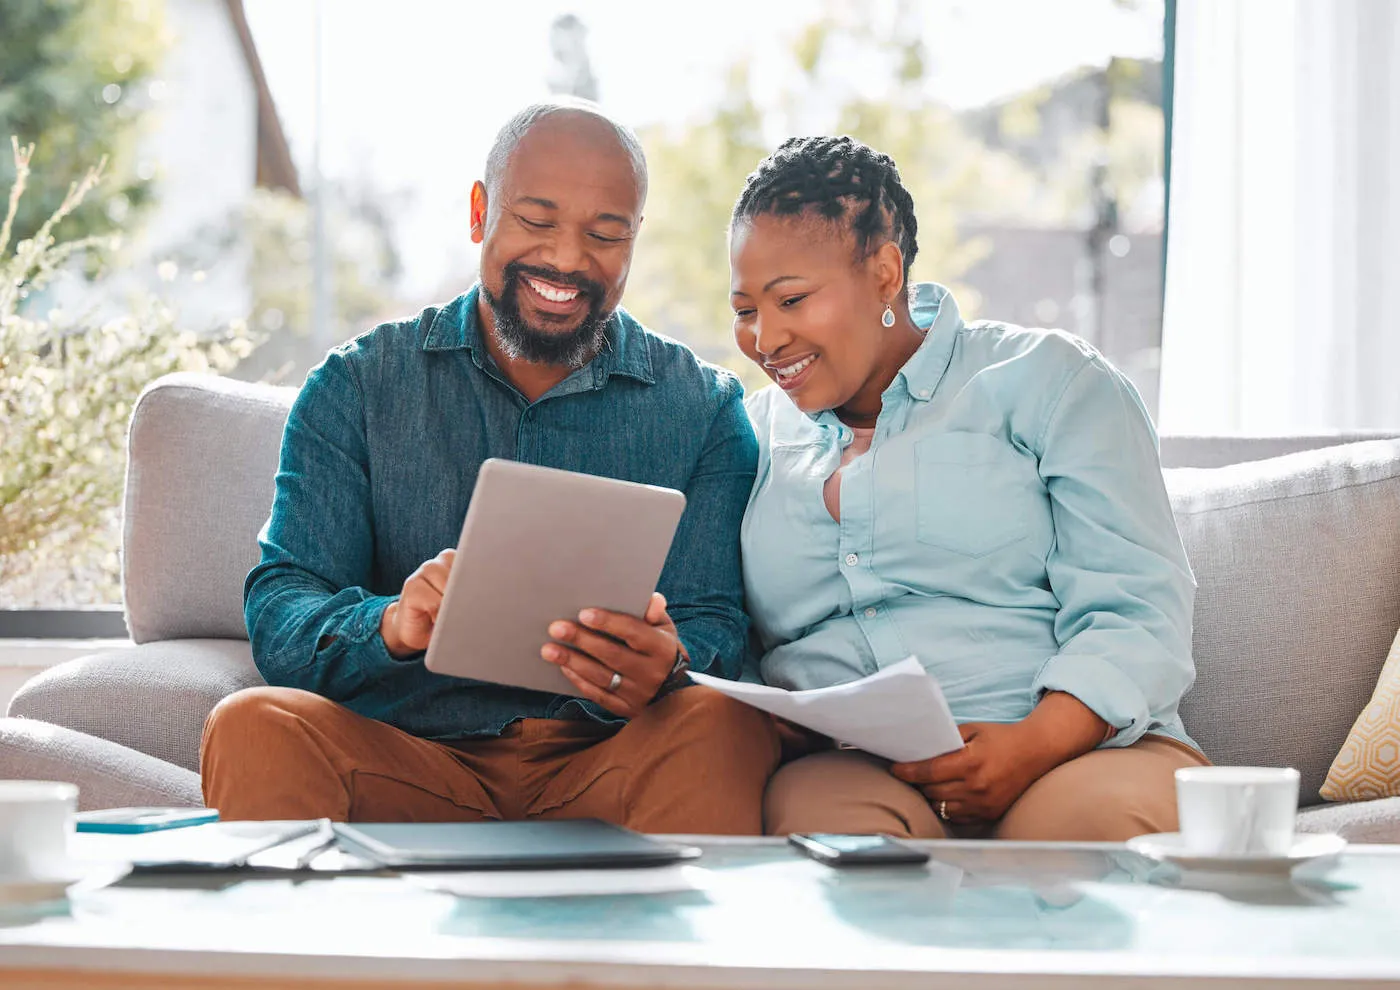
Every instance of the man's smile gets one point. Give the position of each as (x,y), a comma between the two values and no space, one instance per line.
(551,292)
(553,299)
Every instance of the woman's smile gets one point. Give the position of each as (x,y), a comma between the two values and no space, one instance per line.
(790,375)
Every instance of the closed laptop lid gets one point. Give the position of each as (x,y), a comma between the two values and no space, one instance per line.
(575,844)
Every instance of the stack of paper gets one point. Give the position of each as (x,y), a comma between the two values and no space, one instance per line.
(215,846)
(899,713)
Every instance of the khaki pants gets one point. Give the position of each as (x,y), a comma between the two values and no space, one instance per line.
(694,761)
(1108,795)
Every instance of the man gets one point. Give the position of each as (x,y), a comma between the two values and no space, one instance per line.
(536,363)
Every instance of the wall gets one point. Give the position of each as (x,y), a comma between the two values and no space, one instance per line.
(200,147)
(204,145)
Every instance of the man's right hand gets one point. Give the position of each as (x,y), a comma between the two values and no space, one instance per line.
(408,621)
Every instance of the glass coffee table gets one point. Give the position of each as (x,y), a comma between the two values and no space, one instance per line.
(981,914)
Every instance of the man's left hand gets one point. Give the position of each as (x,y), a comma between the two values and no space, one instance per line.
(600,644)
(979,782)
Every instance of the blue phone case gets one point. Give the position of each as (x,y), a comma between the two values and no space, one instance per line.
(126,821)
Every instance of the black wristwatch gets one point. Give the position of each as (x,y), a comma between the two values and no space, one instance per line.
(676,678)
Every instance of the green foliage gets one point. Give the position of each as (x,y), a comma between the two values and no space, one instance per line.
(72,75)
(1131,149)
(274,229)
(67,386)
(680,272)
(269,238)
(680,278)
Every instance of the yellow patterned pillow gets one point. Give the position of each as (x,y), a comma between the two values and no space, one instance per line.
(1369,764)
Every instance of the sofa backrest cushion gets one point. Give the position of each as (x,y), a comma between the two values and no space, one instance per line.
(199,485)
(1297,562)
(1297,559)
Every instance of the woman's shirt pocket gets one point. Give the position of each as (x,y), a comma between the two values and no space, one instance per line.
(970,493)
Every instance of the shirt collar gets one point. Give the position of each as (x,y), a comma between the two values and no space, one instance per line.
(456,327)
(935,311)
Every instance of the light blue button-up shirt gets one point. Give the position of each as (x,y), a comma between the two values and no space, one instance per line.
(1009,526)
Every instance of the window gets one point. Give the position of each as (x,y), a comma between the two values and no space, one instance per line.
(286,173)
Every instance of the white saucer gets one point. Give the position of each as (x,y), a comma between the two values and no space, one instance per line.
(1169,847)
(70,878)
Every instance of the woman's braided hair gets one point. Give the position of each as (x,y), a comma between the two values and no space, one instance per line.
(841,179)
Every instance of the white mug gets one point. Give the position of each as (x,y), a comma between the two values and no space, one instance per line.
(1237,811)
(36,818)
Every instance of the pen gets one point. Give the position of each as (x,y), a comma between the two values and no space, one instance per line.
(327,834)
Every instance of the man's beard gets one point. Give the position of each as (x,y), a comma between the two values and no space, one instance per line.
(523,342)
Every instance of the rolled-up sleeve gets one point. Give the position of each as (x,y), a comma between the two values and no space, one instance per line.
(313,622)
(1117,566)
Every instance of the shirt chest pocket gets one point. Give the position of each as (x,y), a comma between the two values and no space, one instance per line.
(968,493)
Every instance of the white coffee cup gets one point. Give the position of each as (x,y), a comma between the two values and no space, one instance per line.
(1237,811)
(36,818)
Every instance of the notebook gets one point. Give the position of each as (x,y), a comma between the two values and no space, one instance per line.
(582,843)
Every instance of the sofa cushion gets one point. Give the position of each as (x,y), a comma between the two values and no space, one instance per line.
(1357,821)
(199,485)
(1297,562)
(152,698)
(107,775)
(1368,766)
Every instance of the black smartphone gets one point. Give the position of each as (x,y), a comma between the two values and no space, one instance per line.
(856,850)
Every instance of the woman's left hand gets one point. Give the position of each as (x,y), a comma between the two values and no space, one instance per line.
(979,782)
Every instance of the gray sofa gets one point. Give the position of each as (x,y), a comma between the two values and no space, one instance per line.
(1297,559)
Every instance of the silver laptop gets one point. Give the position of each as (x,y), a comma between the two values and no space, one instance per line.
(540,544)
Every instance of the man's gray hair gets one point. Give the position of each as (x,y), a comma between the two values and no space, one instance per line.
(509,137)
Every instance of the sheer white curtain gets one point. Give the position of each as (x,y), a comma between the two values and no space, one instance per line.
(1283,257)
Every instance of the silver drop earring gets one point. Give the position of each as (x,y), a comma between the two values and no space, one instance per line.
(887,317)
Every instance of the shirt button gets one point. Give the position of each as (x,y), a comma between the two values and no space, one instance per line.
(871,611)
(852,560)
(924,393)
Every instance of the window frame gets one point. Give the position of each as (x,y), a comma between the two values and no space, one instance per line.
(109,621)
(94,622)
(1168,106)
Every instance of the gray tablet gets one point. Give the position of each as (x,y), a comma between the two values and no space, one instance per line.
(540,544)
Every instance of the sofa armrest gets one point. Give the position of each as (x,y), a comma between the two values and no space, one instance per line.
(152,698)
(1355,821)
(107,775)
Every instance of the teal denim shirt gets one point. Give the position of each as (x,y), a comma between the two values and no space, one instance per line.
(378,461)
(1009,526)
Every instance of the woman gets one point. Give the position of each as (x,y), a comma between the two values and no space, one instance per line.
(983,496)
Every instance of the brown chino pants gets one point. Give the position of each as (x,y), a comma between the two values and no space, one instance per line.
(1107,795)
(694,761)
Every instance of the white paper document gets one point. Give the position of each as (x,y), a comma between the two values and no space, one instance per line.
(563,883)
(898,713)
(215,845)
